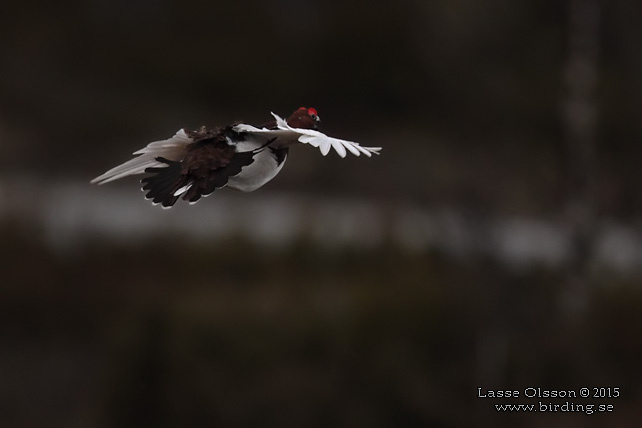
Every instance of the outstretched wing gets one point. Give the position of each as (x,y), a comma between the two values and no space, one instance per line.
(315,138)
(171,149)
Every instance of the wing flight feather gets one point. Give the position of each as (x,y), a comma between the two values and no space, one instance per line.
(312,137)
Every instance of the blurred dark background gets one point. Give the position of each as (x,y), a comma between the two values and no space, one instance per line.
(495,243)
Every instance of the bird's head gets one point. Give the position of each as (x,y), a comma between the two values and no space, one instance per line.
(305,118)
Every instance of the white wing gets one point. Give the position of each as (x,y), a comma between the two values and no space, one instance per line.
(324,143)
(312,137)
(170,149)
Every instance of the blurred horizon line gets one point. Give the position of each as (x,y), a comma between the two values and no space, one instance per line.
(69,214)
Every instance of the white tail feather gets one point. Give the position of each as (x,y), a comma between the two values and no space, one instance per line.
(183,189)
(172,149)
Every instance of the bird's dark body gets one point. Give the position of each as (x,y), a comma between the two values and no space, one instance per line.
(208,164)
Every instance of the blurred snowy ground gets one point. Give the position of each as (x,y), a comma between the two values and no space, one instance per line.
(68,214)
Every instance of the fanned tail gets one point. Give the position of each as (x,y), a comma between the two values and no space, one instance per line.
(166,182)
(205,184)
(169,182)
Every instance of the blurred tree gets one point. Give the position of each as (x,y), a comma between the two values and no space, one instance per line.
(581,117)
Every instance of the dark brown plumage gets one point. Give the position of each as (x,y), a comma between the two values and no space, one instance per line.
(304,118)
(193,164)
(208,163)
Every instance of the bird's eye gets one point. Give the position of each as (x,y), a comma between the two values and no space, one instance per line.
(312,112)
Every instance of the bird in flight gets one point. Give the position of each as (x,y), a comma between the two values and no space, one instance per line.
(193,164)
